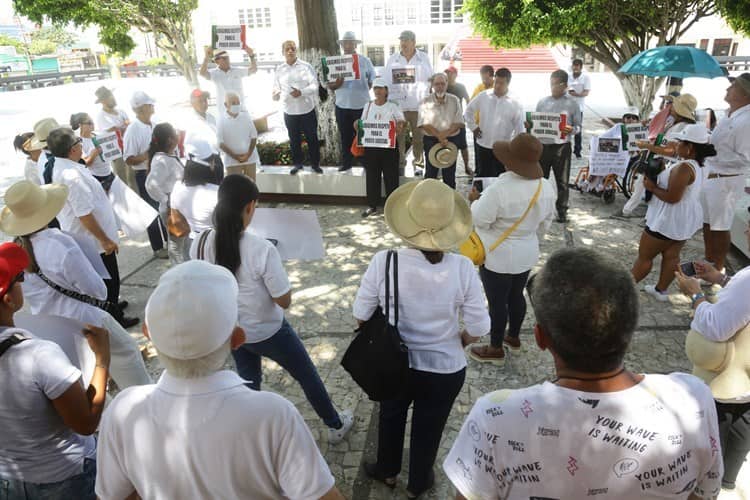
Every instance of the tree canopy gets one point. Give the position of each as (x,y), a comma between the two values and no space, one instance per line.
(737,14)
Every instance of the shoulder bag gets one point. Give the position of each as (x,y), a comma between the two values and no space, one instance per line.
(104,305)
(473,247)
(377,358)
(177,226)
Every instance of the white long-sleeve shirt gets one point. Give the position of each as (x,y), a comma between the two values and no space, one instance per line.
(431,296)
(500,118)
(165,172)
(730,138)
(301,76)
(720,321)
(409,95)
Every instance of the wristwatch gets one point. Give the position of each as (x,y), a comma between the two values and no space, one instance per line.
(696,297)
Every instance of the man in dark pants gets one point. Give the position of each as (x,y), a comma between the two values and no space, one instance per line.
(351,98)
(579,86)
(556,155)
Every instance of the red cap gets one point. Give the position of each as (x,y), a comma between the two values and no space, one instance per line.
(198,93)
(13,260)
(451,69)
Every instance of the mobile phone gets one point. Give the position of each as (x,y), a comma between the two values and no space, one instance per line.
(478,185)
(687,268)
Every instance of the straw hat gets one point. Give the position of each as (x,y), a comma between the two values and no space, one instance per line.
(521,155)
(29,208)
(443,156)
(684,105)
(428,215)
(42,129)
(102,93)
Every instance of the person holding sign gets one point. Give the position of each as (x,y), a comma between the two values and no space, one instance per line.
(92,153)
(351,97)
(112,119)
(408,74)
(556,156)
(295,84)
(225,77)
(381,155)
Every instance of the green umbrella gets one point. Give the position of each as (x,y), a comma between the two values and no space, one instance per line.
(677,61)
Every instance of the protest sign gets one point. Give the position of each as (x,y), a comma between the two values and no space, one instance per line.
(404,75)
(607,153)
(376,133)
(548,125)
(345,67)
(108,143)
(295,233)
(228,37)
(133,214)
(632,133)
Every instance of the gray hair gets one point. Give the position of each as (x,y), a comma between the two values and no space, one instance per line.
(588,305)
(199,367)
(231,94)
(439,74)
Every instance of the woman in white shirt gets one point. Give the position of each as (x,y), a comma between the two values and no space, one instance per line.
(30,169)
(674,213)
(681,114)
(99,168)
(513,208)
(264,293)
(166,170)
(434,288)
(381,162)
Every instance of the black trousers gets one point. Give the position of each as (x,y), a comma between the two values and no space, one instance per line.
(556,158)
(112,284)
(430,172)
(306,124)
(380,162)
(487,164)
(578,137)
(345,119)
(157,233)
(734,433)
(507,304)
(433,395)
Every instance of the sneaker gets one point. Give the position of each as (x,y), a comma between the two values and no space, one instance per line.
(660,296)
(295,169)
(123,304)
(418,172)
(514,343)
(317,170)
(162,253)
(369,211)
(335,436)
(562,217)
(483,354)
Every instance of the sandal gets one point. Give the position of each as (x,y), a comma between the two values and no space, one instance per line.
(483,354)
(371,471)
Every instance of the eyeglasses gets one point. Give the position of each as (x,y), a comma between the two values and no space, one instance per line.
(18,279)
(76,142)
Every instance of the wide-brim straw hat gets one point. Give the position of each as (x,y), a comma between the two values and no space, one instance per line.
(42,128)
(521,155)
(684,105)
(443,156)
(29,207)
(428,215)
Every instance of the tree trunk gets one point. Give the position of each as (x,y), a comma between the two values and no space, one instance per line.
(318,37)
(178,44)
(639,90)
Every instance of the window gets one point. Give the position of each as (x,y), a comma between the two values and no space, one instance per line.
(445,11)
(721,47)
(388,16)
(376,55)
(411,13)
(704,44)
(356,14)
(255,18)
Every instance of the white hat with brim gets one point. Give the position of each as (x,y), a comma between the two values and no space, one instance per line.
(349,36)
(139,99)
(379,82)
(29,207)
(428,215)
(42,128)
(684,105)
(696,133)
(443,156)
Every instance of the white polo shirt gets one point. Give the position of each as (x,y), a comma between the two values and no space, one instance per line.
(98,167)
(227,81)
(500,118)
(85,197)
(730,138)
(301,76)
(136,141)
(202,128)
(236,133)
(583,82)
(208,437)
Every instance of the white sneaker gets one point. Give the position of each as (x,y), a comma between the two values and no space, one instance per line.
(335,436)
(660,296)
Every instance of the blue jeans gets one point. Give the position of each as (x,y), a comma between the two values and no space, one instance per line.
(80,487)
(287,350)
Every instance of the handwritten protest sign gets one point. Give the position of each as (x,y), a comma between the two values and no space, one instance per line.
(345,67)
(548,125)
(109,146)
(634,132)
(607,153)
(376,133)
(228,37)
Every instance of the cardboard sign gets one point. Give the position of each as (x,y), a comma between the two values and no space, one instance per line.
(295,233)
(548,126)
(133,214)
(376,133)
(345,67)
(608,156)
(632,133)
(404,75)
(228,37)
(109,145)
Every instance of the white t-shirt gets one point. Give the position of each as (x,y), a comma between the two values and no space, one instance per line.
(136,141)
(105,121)
(86,196)
(261,276)
(237,133)
(208,437)
(658,439)
(583,82)
(389,111)
(196,204)
(31,171)
(202,128)
(36,445)
(227,81)
(166,171)
(99,167)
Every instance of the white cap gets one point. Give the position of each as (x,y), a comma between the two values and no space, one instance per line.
(696,133)
(379,82)
(198,149)
(193,310)
(139,99)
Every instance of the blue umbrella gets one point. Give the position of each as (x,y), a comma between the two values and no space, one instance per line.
(673,60)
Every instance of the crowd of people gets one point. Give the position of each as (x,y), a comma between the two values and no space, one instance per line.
(205,431)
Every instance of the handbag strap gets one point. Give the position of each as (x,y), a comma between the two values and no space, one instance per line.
(202,245)
(15,338)
(392,255)
(515,225)
(81,297)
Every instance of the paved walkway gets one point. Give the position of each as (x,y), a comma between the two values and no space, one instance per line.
(321,313)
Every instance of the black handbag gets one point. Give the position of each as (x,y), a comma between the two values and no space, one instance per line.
(377,358)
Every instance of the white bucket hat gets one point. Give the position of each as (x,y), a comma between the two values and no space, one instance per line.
(696,133)
(29,208)
(428,215)
(42,128)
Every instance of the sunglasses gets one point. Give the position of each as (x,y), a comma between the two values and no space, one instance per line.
(18,279)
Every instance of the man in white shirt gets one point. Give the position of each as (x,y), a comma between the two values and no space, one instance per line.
(136,143)
(225,77)
(295,84)
(500,119)
(579,86)
(726,171)
(596,428)
(112,119)
(237,138)
(223,440)
(202,127)
(408,74)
